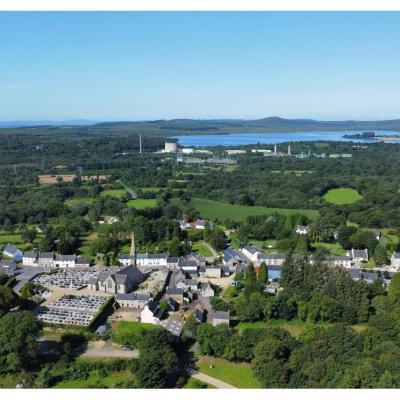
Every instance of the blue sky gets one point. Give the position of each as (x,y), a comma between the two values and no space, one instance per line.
(135,66)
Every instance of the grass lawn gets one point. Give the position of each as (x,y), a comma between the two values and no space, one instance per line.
(213,210)
(335,248)
(342,196)
(95,380)
(118,193)
(193,383)
(237,374)
(132,326)
(202,249)
(142,203)
(84,250)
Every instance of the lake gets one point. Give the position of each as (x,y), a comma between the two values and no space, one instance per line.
(240,139)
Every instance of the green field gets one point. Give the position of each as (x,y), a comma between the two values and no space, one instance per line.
(214,210)
(201,248)
(118,193)
(153,189)
(342,196)
(95,380)
(142,203)
(239,375)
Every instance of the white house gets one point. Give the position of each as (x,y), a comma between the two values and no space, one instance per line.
(251,252)
(126,259)
(151,313)
(150,261)
(46,260)
(395,260)
(340,261)
(65,261)
(30,259)
(302,230)
(13,252)
(358,255)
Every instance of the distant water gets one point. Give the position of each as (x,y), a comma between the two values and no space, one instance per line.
(240,139)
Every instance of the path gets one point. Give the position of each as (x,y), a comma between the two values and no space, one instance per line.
(210,380)
(127,188)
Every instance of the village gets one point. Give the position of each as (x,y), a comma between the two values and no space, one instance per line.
(156,289)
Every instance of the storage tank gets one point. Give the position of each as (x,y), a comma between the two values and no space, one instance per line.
(170,147)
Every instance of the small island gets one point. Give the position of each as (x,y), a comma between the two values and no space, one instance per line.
(371,135)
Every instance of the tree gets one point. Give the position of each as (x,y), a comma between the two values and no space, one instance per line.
(18,341)
(45,377)
(262,275)
(250,280)
(212,340)
(380,254)
(344,235)
(7,298)
(217,239)
(154,367)
(174,247)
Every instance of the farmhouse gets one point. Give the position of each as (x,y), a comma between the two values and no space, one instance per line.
(150,261)
(360,275)
(13,252)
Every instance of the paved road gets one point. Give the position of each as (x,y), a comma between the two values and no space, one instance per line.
(210,380)
(205,303)
(25,275)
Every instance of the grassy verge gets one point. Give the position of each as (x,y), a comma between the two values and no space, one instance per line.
(118,193)
(193,383)
(202,249)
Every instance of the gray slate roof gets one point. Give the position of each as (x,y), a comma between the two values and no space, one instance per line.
(224,315)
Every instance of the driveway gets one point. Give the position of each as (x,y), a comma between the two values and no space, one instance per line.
(127,188)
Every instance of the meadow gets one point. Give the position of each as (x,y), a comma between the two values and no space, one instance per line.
(140,204)
(216,210)
(237,374)
(342,196)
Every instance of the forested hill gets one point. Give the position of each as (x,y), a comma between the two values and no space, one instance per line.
(209,127)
